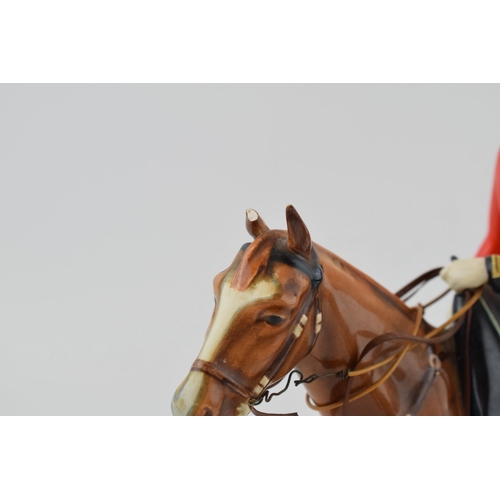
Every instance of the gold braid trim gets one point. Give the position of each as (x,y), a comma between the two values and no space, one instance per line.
(495,266)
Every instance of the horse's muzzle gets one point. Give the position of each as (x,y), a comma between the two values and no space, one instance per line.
(202,395)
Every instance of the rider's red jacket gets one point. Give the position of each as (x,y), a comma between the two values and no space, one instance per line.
(491,245)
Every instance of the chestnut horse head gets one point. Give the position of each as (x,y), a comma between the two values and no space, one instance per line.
(285,302)
(266,319)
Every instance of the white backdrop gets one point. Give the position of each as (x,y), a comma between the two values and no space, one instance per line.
(119,203)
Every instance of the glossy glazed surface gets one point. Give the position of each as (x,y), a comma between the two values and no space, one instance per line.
(271,316)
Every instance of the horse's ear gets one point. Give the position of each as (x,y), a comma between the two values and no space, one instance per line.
(255,225)
(299,239)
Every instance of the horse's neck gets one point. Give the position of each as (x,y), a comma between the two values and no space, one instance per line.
(355,310)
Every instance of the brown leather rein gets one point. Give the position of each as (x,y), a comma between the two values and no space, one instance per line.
(437,335)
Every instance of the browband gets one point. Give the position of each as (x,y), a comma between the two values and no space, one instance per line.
(313,271)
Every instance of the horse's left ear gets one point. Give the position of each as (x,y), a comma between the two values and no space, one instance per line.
(299,239)
(254,223)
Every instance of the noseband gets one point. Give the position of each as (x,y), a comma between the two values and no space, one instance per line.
(314,272)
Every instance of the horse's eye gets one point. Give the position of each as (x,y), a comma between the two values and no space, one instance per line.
(274,320)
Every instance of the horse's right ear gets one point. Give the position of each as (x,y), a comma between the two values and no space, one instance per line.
(255,225)
(299,239)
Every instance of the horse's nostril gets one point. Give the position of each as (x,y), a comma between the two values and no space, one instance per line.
(207,412)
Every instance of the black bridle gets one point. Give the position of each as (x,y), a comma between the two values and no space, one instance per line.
(313,270)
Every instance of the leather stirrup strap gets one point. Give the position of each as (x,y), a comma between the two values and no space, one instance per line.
(429,377)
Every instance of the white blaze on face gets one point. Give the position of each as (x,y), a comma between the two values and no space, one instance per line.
(230,303)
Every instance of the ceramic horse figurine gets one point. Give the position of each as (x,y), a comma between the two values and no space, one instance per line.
(287,302)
